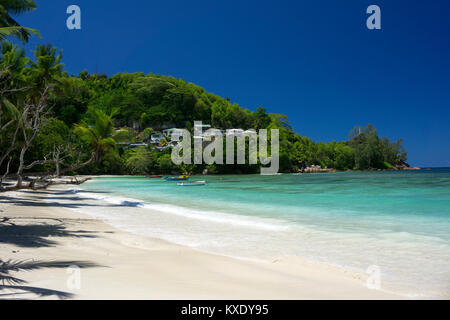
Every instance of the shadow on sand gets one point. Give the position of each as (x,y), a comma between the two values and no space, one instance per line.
(74,201)
(32,232)
(36,235)
(15,286)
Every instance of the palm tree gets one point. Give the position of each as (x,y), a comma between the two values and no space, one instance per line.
(9,26)
(48,66)
(99,134)
(12,73)
(12,77)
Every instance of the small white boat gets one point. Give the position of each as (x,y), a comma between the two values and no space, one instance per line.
(191,184)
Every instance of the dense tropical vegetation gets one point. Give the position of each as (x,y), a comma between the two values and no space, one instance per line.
(53,123)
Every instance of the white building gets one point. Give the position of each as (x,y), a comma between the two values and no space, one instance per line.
(235,132)
(156,138)
(212,132)
(196,125)
(173,131)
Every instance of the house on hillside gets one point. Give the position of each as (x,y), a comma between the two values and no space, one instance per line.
(202,126)
(213,132)
(235,132)
(156,138)
(250,132)
(173,132)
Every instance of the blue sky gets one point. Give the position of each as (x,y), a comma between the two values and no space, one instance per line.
(314,61)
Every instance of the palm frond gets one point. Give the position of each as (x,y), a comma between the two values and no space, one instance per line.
(22,33)
(108,143)
(11,109)
(18,6)
(87,135)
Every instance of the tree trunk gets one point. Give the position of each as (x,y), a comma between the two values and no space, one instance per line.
(21,165)
(57,165)
(6,173)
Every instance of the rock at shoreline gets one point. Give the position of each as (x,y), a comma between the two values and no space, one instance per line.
(316,169)
(319,169)
(406,167)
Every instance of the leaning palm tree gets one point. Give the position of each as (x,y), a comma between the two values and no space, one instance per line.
(9,26)
(98,134)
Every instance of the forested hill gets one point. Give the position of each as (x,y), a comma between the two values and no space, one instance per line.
(151,101)
(98,115)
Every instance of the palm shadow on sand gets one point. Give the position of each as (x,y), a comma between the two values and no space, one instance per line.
(16,287)
(36,235)
(33,236)
(64,199)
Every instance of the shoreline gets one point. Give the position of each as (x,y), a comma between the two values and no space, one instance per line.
(119,265)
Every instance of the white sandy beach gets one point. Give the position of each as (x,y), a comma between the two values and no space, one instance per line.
(120,265)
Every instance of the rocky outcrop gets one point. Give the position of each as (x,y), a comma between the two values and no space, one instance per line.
(405,167)
(319,169)
(316,169)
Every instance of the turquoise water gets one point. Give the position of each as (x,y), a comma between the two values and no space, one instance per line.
(398,221)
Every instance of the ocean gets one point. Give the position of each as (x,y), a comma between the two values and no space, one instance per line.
(396,221)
